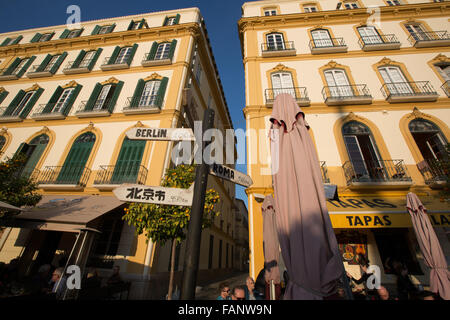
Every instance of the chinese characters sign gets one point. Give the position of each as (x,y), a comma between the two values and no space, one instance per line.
(156,195)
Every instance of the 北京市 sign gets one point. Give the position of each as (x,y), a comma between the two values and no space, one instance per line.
(230,174)
(156,195)
(161,134)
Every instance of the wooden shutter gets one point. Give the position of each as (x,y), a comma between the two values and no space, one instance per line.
(94,95)
(152,53)
(355,155)
(132,53)
(12,66)
(54,98)
(13,104)
(114,55)
(44,63)
(129,161)
(58,63)
(31,103)
(161,92)
(3,95)
(64,34)
(95,58)
(111,28)
(95,30)
(130,25)
(172,48)
(7,40)
(36,152)
(25,66)
(165,21)
(71,99)
(17,40)
(36,37)
(112,102)
(177,19)
(137,93)
(78,60)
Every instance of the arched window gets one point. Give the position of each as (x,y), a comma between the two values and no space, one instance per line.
(35,149)
(75,163)
(429,139)
(362,150)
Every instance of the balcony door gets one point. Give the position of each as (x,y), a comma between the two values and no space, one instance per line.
(429,139)
(75,162)
(362,151)
(275,41)
(417,31)
(282,83)
(149,94)
(395,81)
(369,35)
(34,152)
(321,38)
(338,83)
(129,161)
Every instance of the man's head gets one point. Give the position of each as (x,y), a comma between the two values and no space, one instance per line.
(383,293)
(224,289)
(56,275)
(238,293)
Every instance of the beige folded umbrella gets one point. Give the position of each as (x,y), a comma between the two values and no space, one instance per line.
(270,239)
(430,247)
(307,240)
(7,206)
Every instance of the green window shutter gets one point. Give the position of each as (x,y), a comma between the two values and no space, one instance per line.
(7,40)
(177,19)
(31,103)
(78,60)
(94,95)
(172,48)
(114,55)
(80,32)
(137,93)
(111,28)
(26,66)
(35,155)
(36,37)
(12,106)
(71,100)
(130,25)
(142,24)
(23,147)
(44,63)
(161,92)
(132,53)
(115,96)
(95,30)
(17,40)
(154,48)
(12,66)
(129,161)
(3,95)
(54,98)
(64,34)
(165,21)
(51,36)
(58,63)
(95,58)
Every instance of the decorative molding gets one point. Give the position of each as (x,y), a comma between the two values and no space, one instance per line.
(34,87)
(153,76)
(111,80)
(71,84)
(417,114)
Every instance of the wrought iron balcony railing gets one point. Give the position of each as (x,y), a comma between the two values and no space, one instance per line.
(113,65)
(6,74)
(118,174)
(14,116)
(349,94)
(376,171)
(324,169)
(300,95)
(277,46)
(48,111)
(446,87)
(417,90)
(93,111)
(151,60)
(435,171)
(71,175)
(151,103)
(330,45)
(429,38)
(379,42)
(81,67)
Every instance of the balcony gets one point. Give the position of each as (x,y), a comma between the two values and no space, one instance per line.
(349,94)
(435,172)
(429,39)
(8,76)
(379,42)
(324,170)
(418,91)
(446,87)
(148,62)
(49,111)
(37,72)
(278,49)
(13,117)
(377,173)
(299,93)
(140,106)
(64,177)
(331,45)
(83,112)
(83,67)
(117,65)
(109,177)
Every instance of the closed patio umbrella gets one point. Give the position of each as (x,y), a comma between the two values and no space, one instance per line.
(307,240)
(7,206)
(430,247)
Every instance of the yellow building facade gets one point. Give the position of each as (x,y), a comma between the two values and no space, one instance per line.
(68,95)
(372,78)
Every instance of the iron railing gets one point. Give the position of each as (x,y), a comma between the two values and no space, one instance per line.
(403,89)
(82,64)
(277,46)
(346,92)
(326,43)
(119,174)
(106,62)
(73,175)
(434,170)
(446,87)
(49,109)
(82,108)
(299,93)
(428,36)
(12,114)
(376,171)
(324,169)
(37,68)
(136,103)
(378,39)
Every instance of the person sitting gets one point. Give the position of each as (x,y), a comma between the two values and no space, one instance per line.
(224,289)
(250,292)
(238,293)
(115,284)
(405,288)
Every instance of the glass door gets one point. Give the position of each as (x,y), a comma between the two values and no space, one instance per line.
(395,80)
(338,83)
(282,83)
(321,38)
(370,35)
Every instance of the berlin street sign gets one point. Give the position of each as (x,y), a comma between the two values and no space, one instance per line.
(230,175)
(161,134)
(156,195)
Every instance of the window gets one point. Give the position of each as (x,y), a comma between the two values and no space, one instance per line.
(172,20)
(417,31)
(45,37)
(369,35)
(33,152)
(136,25)
(310,8)
(395,80)
(443,69)
(351,5)
(63,99)
(87,58)
(19,67)
(282,83)
(123,56)
(74,33)
(321,38)
(275,41)
(393,2)
(429,139)
(103,29)
(150,93)
(52,62)
(22,103)
(270,12)
(162,52)
(2,142)
(103,97)
(338,83)
(11,41)
(128,162)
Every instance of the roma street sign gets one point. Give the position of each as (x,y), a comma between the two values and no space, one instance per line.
(156,195)
(230,175)
(161,134)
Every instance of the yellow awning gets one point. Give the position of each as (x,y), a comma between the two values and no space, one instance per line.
(383,212)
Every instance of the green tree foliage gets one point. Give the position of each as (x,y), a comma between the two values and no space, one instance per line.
(15,188)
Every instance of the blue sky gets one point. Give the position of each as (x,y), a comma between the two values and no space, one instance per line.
(221,19)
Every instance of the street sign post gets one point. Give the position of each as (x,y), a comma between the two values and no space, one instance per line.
(230,174)
(161,134)
(156,195)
